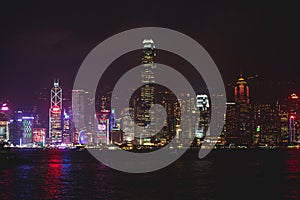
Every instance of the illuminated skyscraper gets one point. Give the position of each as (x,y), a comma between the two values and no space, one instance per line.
(103,132)
(243,108)
(27,122)
(294,118)
(67,128)
(148,79)
(284,126)
(202,103)
(267,124)
(230,123)
(82,110)
(16,127)
(186,128)
(4,122)
(55,114)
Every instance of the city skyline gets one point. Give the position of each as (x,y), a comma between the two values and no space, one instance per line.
(253,38)
(246,123)
(260,83)
(154,126)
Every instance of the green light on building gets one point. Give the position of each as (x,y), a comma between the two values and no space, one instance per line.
(258,129)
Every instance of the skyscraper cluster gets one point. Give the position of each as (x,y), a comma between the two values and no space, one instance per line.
(266,124)
(246,123)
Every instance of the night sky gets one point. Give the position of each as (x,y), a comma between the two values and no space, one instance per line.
(43,39)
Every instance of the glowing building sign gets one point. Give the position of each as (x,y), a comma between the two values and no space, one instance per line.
(4,108)
(55,109)
(38,135)
(202,101)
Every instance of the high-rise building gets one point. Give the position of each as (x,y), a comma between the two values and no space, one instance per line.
(103,132)
(4,122)
(203,111)
(267,124)
(284,127)
(55,113)
(293,106)
(83,111)
(243,111)
(127,125)
(16,127)
(171,105)
(147,90)
(67,129)
(27,122)
(230,125)
(186,128)
(202,104)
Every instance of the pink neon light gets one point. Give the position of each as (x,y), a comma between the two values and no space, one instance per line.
(55,109)
(4,108)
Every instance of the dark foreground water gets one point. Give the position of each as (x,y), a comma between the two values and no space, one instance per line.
(224,174)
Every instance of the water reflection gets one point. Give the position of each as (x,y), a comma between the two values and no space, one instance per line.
(58,174)
(52,187)
(293,174)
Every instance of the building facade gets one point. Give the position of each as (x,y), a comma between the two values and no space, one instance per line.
(243,112)
(55,113)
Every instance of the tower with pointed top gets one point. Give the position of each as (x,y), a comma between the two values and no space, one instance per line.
(148,79)
(243,111)
(55,113)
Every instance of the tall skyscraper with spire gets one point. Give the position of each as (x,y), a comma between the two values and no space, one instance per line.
(243,109)
(55,113)
(148,79)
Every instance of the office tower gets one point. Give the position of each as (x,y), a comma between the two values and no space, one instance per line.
(147,90)
(103,131)
(4,122)
(27,122)
(243,111)
(267,124)
(186,128)
(172,108)
(83,112)
(293,106)
(284,125)
(113,119)
(202,111)
(230,125)
(16,127)
(202,104)
(67,128)
(78,109)
(55,113)
(127,125)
